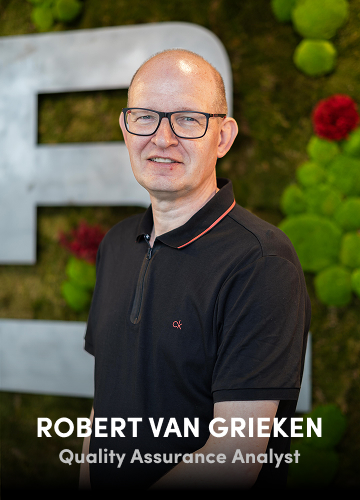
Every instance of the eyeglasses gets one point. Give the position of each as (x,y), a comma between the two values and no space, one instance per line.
(184,124)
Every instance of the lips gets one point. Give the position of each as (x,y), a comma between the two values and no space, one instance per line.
(159,159)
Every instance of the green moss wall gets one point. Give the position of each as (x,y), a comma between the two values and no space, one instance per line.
(273,102)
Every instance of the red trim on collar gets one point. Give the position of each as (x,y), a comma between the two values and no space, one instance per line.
(210,227)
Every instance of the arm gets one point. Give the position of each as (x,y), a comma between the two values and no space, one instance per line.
(84,480)
(225,475)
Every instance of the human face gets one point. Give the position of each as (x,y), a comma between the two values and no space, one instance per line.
(163,163)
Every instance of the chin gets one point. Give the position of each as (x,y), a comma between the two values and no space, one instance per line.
(163,184)
(162,180)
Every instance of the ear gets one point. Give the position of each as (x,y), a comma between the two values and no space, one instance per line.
(122,126)
(228,131)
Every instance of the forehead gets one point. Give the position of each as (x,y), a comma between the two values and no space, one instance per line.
(174,83)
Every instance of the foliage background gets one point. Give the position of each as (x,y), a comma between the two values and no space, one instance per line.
(273,102)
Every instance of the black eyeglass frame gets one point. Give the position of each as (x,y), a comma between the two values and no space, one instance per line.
(168,116)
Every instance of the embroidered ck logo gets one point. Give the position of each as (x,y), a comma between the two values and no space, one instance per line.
(177,324)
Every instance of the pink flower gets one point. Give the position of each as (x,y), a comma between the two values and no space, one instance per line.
(83,242)
(334,118)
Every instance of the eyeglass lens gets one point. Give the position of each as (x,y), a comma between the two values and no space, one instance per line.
(184,123)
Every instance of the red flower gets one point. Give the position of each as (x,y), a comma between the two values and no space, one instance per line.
(335,117)
(83,241)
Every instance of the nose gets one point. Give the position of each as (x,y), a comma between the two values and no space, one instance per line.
(164,136)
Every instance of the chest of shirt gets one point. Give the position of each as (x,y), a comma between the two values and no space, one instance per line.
(161,306)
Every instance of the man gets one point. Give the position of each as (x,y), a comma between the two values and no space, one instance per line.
(200,309)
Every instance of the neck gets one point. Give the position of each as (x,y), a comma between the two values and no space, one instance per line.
(169,214)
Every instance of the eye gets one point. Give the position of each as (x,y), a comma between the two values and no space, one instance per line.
(186,120)
(144,118)
(141,117)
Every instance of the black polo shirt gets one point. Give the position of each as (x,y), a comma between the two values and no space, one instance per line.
(216,311)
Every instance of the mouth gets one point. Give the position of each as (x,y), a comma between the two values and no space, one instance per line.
(158,159)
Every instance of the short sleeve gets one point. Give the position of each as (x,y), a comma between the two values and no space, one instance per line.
(261,324)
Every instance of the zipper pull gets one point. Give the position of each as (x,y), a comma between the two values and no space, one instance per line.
(149,252)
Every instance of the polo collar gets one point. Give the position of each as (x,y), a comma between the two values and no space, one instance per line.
(199,224)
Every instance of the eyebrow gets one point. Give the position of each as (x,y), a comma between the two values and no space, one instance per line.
(175,110)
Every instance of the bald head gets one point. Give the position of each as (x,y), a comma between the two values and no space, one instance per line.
(183,63)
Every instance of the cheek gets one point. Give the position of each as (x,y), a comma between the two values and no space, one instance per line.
(206,155)
(136,146)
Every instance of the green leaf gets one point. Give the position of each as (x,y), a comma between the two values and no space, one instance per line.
(333,286)
(316,240)
(81,272)
(42,17)
(282,9)
(76,297)
(67,10)
(315,57)
(319,18)
(333,425)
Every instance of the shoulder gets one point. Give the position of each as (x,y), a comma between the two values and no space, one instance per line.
(124,232)
(268,239)
(269,271)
